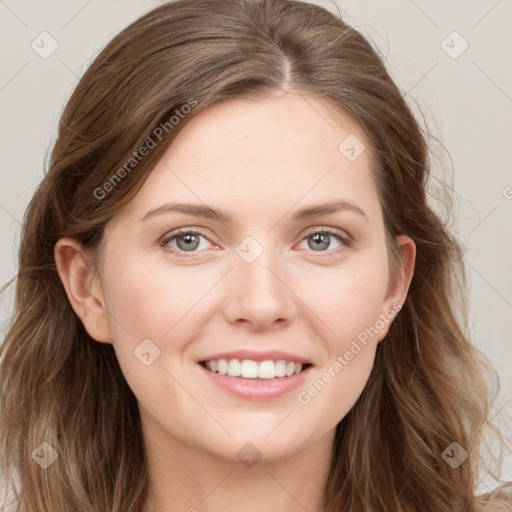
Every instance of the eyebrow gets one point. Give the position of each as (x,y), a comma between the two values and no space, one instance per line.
(201,210)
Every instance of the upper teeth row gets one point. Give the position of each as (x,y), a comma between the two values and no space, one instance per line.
(253,369)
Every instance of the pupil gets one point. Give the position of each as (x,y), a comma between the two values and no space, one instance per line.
(189,242)
(322,238)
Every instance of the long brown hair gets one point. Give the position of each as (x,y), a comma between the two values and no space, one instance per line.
(428,386)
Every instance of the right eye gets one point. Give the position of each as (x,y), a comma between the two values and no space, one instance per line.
(184,241)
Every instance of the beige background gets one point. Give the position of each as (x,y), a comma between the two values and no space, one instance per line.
(466,97)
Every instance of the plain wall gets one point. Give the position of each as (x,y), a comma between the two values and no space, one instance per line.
(466,100)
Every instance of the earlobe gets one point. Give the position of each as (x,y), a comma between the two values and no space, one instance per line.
(83,287)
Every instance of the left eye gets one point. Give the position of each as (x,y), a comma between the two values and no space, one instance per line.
(190,241)
(321,239)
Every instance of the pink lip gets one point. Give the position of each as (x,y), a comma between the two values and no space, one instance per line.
(273,355)
(256,389)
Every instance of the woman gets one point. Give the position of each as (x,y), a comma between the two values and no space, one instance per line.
(308,352)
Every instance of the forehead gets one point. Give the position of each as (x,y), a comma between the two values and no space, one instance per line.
(287,125)
(271,152)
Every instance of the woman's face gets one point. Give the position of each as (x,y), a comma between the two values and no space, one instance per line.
(257,281)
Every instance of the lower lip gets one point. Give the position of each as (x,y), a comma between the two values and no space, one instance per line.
(256,389)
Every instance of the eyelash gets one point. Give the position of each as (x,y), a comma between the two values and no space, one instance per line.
(346,240)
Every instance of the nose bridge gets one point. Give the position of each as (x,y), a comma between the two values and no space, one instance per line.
(256,291)
(257,265)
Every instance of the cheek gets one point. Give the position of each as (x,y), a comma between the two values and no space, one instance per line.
(348,300)
(147,300)
(351,311)
(152,310)
(350,314)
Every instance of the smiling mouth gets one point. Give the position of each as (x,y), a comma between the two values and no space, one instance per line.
(254,370)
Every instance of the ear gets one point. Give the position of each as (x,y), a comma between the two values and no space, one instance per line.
(399,286)
(83,287)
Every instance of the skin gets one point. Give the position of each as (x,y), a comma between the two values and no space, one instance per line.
(261,161)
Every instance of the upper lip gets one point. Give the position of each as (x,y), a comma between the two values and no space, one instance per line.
(273,355)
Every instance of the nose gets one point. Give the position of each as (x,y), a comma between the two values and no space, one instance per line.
(257,294)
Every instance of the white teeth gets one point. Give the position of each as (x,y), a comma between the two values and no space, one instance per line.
(266,370)
(250,369)
(234,368)
(223,367)
(280,368)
